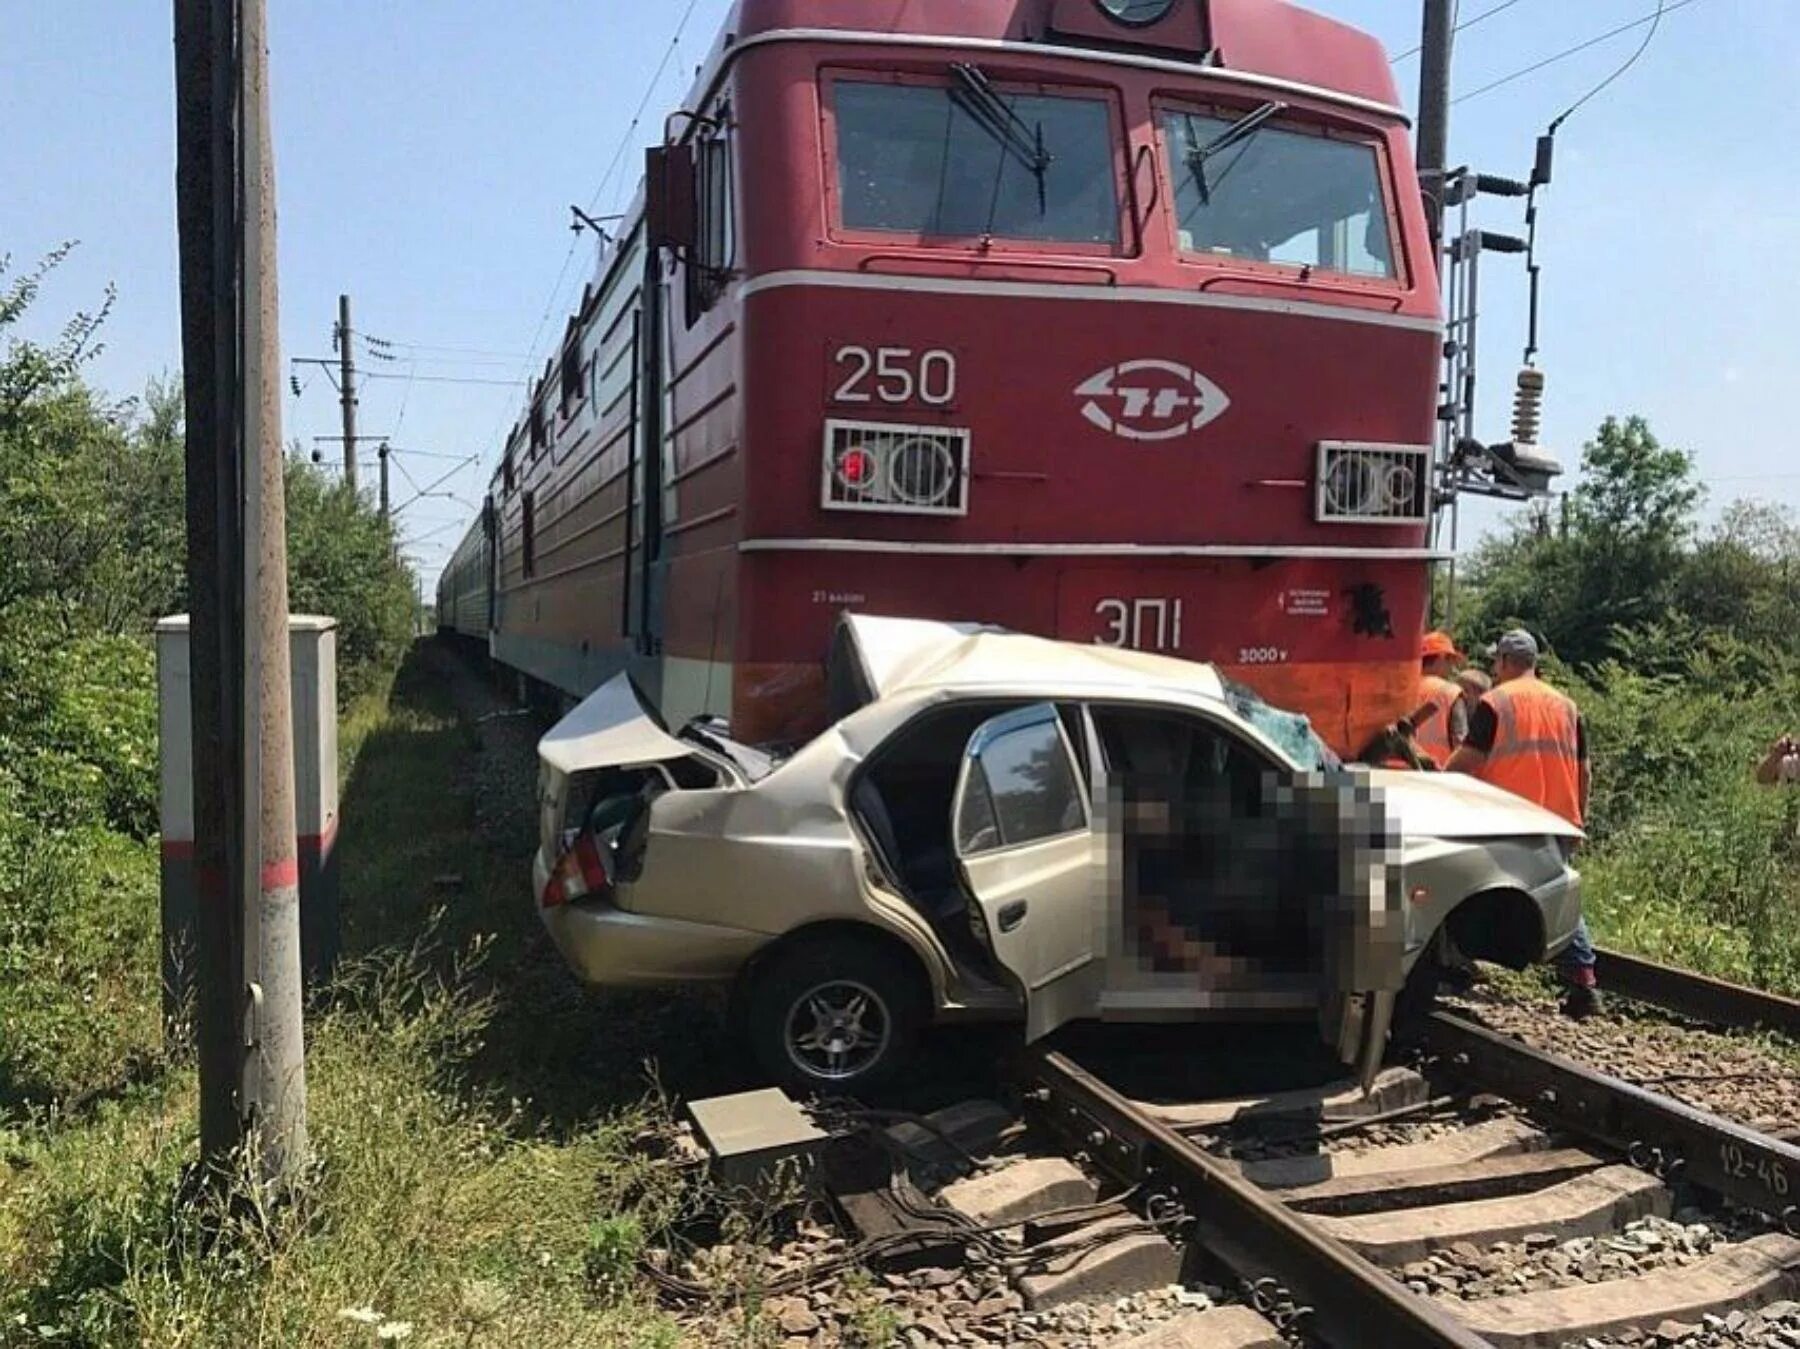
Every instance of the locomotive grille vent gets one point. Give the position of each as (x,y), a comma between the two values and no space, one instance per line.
(1373,484)
(881,466)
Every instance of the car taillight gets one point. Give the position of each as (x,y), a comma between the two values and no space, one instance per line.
(581,871)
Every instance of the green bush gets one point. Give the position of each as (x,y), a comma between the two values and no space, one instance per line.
(92,552)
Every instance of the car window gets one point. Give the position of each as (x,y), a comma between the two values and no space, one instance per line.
(976,828)
(1157,755)
(1023,772)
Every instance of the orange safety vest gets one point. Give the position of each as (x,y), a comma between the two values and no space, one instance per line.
(1433,735)
(1536,752)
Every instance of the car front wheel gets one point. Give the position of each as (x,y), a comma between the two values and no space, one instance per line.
(833,1015)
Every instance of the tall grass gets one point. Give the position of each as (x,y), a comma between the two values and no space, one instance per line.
(430,1213)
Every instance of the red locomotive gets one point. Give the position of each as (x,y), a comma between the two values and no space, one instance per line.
(1113,320)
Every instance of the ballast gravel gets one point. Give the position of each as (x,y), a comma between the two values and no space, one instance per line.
(1754,1079)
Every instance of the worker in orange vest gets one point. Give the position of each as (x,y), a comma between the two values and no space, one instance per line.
(1442,719)
(1528,738)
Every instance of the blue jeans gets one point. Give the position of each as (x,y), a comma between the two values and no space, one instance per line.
(1577,958)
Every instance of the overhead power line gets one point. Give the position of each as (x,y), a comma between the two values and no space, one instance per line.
(643,103)
(1656,19)
(442,379)
(1465,24)
(392,343)
(612,166)
(1566,52)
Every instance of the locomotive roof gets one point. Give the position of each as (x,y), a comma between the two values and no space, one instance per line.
(1271,39)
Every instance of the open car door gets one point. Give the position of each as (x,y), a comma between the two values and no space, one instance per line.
(1349,861)
(1030,862)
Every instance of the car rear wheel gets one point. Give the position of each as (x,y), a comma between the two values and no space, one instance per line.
(833,1015)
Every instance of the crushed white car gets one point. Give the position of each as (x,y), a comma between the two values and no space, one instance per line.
(999,825)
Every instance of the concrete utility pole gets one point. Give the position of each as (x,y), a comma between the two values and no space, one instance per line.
(252,1073)
(1434,115)
(383,453)
(347,390)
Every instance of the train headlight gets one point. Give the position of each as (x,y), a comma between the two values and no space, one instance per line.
(890,466)
(1135,13)
(855,468)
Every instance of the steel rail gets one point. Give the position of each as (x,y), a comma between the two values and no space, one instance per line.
(1675,1141)
(1697,995)
(1297,1276)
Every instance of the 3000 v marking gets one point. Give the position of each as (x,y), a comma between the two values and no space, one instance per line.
(1740,1167)
(896,375)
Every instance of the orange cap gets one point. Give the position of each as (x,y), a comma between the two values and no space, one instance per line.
(1438,644)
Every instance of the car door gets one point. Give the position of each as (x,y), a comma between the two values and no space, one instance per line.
(1027,852)
(1339,830)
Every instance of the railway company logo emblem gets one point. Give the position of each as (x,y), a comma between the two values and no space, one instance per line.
(1151,399)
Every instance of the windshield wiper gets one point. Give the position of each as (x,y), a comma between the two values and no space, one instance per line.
(1242,129)
(981,102)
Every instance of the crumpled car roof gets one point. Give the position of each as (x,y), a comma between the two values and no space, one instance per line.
(905,653)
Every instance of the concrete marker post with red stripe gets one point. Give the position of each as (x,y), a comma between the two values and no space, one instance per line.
(313,658)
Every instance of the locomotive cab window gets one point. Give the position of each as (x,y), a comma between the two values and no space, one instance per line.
(1262,193)
(967,158)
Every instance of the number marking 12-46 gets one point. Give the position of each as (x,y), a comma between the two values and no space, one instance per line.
(895,375)
(1740,1166)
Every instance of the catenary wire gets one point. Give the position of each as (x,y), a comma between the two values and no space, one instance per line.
(444,379)
(618,156)
(1630,61)
(1487,13)
(1566,52)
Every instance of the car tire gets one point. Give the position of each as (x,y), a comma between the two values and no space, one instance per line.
(833,1015)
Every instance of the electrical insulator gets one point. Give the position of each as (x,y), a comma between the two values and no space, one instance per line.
(1528,406)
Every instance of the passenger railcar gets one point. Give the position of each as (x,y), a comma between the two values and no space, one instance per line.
(1112,320)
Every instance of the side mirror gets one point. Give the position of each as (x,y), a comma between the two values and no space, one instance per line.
(671,208)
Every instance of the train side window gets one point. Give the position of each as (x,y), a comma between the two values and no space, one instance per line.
(709,265)
(528,532)
(509,478)
(537,426)
(571,377)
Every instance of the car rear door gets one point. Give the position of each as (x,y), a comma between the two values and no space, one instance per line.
(1028,855)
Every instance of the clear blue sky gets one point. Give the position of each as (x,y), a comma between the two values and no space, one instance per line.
(428,152)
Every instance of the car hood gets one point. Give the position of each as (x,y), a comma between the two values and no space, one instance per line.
(1454,805)
(610,728)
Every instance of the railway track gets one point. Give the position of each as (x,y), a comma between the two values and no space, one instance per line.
(1335,1225)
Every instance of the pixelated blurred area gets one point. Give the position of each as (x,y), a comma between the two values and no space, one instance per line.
(1237,877)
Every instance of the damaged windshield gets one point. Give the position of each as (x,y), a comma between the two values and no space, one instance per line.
(1244,189)
(1291,732)
(970,159)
